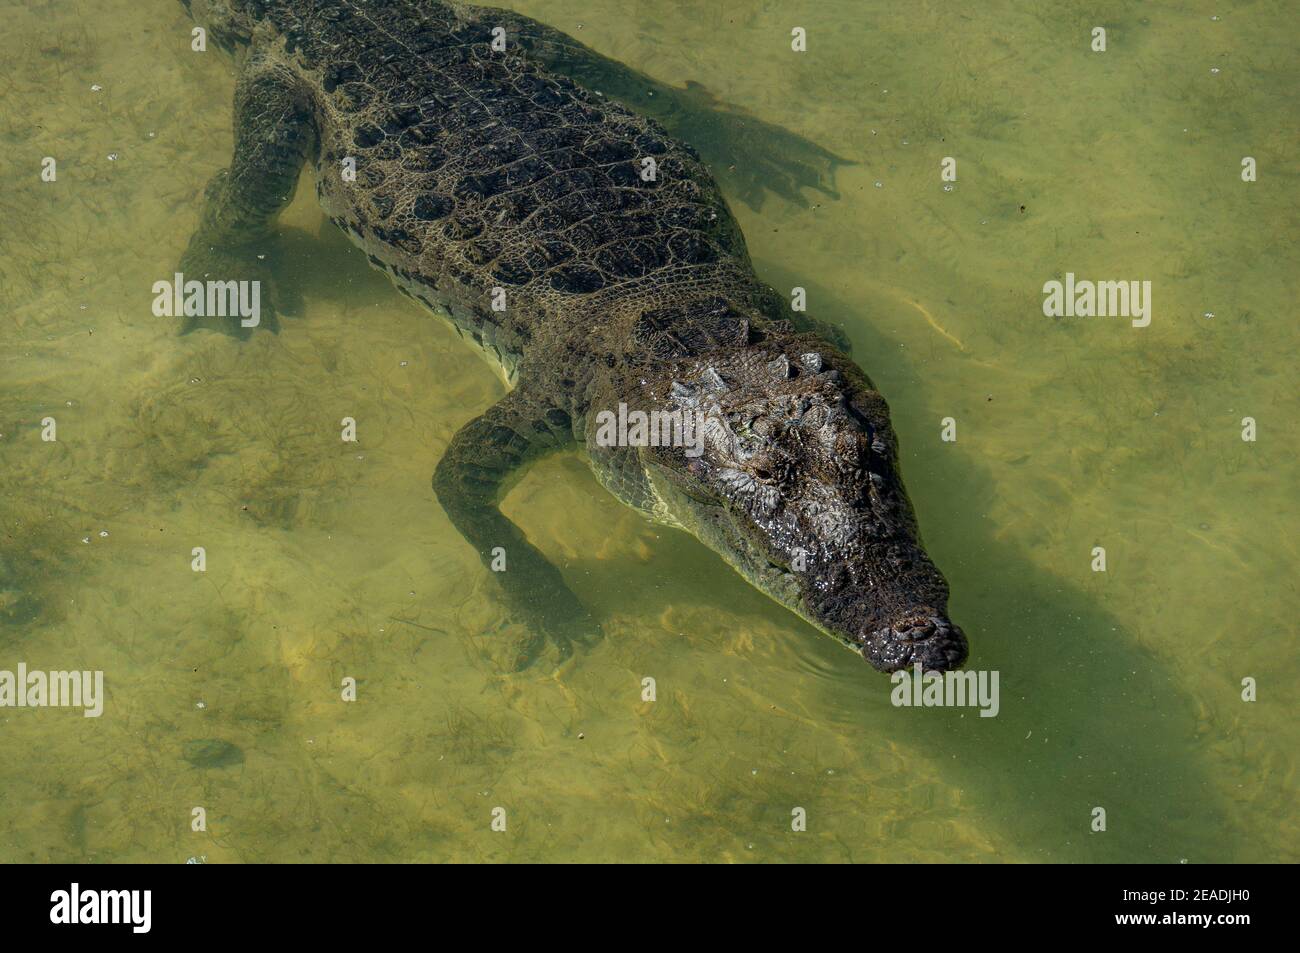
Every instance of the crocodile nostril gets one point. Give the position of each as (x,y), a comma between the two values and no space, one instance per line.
(944,648)
(916,630)
(930,641)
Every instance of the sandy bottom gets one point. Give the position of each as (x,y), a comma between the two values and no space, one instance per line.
(328,561)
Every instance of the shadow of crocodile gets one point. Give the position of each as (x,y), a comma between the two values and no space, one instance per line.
(1088,716)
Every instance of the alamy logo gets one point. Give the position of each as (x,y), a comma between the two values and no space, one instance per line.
(103,906)
(658,428)
(1101,299)
(208,299)
(968,689)
(36,689)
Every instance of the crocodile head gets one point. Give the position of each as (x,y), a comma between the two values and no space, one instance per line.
(793,479)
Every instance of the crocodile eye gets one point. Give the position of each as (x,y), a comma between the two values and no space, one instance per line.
(770,468)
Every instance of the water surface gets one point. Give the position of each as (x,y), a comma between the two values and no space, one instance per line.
(329,560)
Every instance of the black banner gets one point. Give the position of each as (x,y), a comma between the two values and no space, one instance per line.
(329,903)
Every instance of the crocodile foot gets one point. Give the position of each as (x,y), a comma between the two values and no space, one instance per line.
(528,639)
(239,288)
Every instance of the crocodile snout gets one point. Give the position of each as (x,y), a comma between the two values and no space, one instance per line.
(931,640)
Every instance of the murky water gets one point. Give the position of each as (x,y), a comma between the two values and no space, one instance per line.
(328,560)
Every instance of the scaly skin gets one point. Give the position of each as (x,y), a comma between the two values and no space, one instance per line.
(479,170)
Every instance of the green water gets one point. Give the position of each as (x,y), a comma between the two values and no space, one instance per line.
(328,560)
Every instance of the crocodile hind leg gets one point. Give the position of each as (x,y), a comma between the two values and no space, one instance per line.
(751,157)
(273,135)
(482,461)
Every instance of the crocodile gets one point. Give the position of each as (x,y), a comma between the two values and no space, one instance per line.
(544,199)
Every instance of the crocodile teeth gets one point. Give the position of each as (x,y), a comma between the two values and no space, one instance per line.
(780,368)
(713,380)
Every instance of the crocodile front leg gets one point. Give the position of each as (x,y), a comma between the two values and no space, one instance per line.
(273,135)
(483,460)
(749,155)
